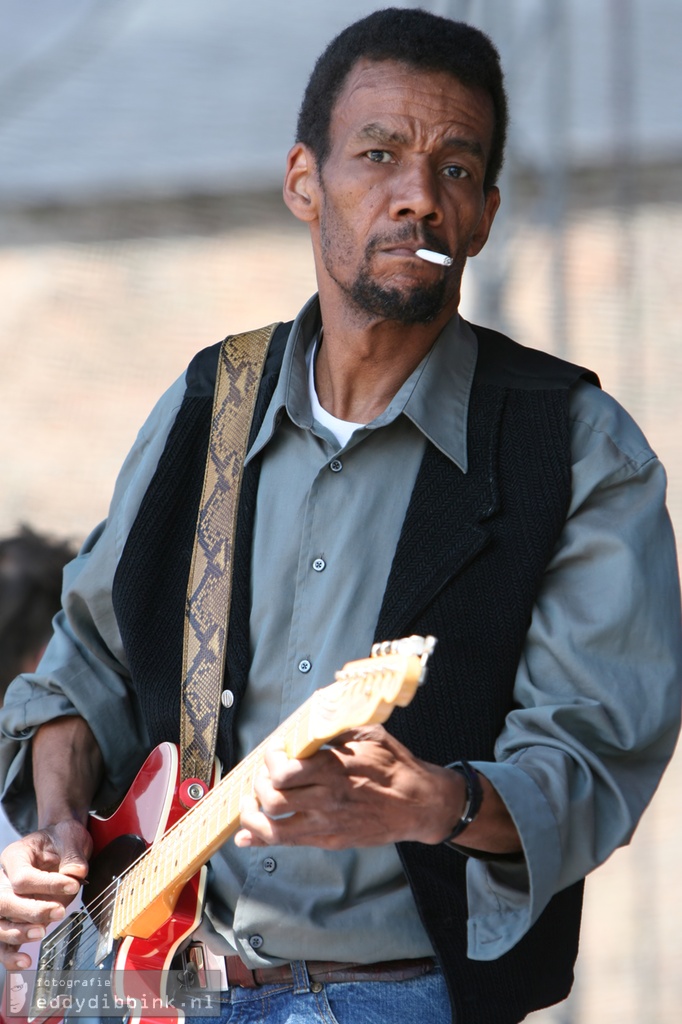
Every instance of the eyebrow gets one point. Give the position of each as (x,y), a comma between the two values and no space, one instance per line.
(375,132)
(378,133)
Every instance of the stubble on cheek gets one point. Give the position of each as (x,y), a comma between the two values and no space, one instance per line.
(370,296)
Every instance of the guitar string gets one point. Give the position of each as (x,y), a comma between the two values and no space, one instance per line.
(107,898)
(189,826)
(198,817)
(109,893)
(191,822)
(201,815)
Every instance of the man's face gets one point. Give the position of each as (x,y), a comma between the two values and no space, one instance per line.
(406,165)
(17,992)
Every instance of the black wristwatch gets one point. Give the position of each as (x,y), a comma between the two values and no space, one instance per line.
(474,797)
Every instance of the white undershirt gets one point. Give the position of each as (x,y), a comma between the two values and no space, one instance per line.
(341,429)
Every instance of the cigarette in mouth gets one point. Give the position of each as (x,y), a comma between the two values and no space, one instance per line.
(434,257)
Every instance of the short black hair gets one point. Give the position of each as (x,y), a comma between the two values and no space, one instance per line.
(31,568)
(408,36)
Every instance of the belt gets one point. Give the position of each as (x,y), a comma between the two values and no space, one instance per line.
(327,971)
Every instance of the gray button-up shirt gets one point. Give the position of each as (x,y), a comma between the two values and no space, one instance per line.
(598,679)
(327,524)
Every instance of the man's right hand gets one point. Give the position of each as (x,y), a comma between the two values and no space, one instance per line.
(41,874)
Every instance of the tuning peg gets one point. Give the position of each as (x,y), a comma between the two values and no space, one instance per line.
(421,646)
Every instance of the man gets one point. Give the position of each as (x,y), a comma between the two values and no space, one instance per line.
(406,474)
(18,990)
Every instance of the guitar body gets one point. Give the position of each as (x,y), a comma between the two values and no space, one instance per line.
(149,809)
(144,893)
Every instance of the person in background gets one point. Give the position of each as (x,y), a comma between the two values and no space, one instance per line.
(31,568)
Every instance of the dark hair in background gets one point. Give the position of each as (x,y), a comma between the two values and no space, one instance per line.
(30,595)
(420,39)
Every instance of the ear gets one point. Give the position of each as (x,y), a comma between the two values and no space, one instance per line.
(480,235)
(301,185)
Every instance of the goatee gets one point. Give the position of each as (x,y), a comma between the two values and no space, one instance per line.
(421,305)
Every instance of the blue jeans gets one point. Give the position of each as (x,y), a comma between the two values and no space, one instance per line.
(414,1001)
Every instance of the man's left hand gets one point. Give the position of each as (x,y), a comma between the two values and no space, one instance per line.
(365,790)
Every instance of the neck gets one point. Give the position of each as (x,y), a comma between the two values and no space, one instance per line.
(361,366)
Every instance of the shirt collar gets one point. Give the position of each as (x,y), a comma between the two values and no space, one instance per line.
(439,401)
(435,397)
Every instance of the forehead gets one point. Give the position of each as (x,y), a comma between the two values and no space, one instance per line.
(428,105)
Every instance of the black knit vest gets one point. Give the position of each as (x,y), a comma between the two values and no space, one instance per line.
(467,568)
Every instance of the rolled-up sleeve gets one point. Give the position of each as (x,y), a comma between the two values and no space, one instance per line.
(597,693)
(84,671)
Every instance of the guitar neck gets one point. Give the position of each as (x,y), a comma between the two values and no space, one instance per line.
(365,691)
(192,841)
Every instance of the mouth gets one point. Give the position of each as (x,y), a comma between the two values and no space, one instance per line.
(418,251)
(401,249)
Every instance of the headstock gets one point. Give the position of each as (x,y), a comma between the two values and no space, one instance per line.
(366,691)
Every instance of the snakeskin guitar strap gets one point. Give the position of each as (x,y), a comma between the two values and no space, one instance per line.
(207,609)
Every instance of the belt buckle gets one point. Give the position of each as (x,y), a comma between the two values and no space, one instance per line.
(237,974)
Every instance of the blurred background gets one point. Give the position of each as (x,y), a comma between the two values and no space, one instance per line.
(142,144)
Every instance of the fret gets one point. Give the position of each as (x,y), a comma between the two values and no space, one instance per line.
(363,692)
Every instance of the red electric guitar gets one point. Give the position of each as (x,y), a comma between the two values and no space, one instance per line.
(111,956)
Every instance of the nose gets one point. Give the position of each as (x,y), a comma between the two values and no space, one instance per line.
(416,194)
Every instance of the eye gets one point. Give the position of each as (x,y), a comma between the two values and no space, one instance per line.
(455,171)
(378,156)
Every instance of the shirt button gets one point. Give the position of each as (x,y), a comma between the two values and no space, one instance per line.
(304,665)
(227,698)
(336,465)
(319,564)
(255,941)
(269,865)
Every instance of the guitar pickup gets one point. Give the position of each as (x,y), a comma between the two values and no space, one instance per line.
(58,950)
(57,958)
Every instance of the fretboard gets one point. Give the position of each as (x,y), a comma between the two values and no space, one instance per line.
(167,865)
(365,691)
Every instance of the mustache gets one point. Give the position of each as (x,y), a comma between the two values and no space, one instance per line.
(422,238)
